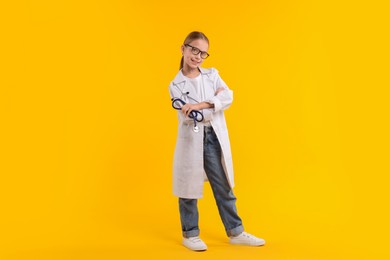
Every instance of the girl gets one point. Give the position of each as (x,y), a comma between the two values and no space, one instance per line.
(202,150)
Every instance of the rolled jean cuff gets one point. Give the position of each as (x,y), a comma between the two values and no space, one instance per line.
(235,231)
(191,233)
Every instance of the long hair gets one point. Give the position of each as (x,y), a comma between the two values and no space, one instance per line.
(195,35)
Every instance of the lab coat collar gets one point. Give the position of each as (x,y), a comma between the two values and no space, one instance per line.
(181,78)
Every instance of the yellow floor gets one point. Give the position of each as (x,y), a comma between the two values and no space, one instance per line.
(167,246)
(155,234)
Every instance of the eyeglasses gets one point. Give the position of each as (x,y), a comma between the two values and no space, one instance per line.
(196,51)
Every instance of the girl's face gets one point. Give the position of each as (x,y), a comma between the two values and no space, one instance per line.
(191,60)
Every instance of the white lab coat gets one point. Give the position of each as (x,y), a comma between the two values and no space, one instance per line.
(188,170)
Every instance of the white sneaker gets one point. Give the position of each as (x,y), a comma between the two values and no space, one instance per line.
(194,243)
(247,239)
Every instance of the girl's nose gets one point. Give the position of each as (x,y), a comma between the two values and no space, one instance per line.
(197,56)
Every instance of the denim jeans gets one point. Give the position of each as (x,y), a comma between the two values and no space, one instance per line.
(223,194)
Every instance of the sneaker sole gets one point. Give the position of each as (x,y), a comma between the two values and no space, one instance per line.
(196,250)
(193,249)
(242,244)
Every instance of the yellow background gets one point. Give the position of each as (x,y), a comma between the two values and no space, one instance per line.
(88,132)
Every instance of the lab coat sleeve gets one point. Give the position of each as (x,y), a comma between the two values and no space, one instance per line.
(208,114)
(223,99)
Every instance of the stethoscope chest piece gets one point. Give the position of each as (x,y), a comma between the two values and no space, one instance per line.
(196,129)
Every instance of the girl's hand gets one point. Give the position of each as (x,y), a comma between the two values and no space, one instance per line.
(187,108)
(219,90)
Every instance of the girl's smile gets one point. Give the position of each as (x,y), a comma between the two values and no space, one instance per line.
(195,62)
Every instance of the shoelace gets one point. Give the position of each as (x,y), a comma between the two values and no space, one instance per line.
(195,239)
(248,235)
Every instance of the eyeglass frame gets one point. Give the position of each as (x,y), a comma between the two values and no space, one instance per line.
(194,49)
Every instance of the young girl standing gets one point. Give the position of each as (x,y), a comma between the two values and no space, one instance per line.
(202,150)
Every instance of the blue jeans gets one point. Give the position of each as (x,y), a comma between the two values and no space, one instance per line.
(223,194)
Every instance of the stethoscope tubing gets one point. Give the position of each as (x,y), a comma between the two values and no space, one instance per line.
(194,114)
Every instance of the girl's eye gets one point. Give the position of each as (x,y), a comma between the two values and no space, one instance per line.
(195,50)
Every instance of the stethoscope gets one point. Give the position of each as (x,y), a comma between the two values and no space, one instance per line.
(196,115)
